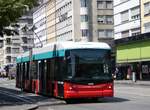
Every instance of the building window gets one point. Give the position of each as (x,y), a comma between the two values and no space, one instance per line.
(135,13)
(147,27)
(104,4)
(8,50)
(15,50)
(101,5)
(85,32)
(108,19)
(101,33)
(84,18)
(125,16)
(25,40)
(84,3)
(13,59)
(109,4)
(101,19)
(8,59)
(108,33)
(123,1)
(125,33)
(8,41)
(147,9)
(135,31)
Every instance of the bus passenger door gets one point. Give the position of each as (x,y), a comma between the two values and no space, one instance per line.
(49,75)
(43,76)
(59,77)
(23,75)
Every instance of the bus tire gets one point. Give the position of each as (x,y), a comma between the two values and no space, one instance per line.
(69,101)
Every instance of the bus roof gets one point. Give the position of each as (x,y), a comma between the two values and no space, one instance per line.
(47,50)
(80,45)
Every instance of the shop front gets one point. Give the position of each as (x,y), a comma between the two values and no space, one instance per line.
(133,54)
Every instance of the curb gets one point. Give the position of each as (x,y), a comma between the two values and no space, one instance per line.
(22,107)
(132,83)
(33,107)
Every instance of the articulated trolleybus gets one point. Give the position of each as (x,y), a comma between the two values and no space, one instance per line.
(68,70)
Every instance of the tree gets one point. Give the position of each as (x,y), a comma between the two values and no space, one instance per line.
(10,11)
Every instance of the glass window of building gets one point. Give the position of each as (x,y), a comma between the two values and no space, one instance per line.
(147,8)
(135,31)
(101,19)
(109,19)
(109,4)
(125,16)
(105,19)
(15,50)
(84,3)
(125,33)
(84,18)
(8,50)
(101,4)
(123,1)
(85,32)
(8,59)
(135,13)
(109,33)
(147,27)
(8,41)
(101,33)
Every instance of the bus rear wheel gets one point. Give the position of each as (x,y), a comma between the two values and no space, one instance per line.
(70,101)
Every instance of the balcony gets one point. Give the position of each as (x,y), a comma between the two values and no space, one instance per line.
(27,45)
(7,53)
(8,43)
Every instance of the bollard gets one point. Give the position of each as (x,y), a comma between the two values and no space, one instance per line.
(133,76)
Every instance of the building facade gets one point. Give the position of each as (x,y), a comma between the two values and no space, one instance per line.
(126,18)
(79,20)
(50,21)
(145,18)
(17,44)
(132,37)
(39,22)
(1,53)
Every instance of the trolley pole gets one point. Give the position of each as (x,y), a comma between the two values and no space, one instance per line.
(26,29)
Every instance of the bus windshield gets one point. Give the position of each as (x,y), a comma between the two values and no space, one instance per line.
(90,64)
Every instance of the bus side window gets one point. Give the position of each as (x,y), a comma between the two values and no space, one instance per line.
(48,69)
(27,74)
(33,74)
(52,72)
(58,74)
(56,69)
(42,70)
(62,68)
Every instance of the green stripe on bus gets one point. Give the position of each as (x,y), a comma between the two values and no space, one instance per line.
(41,56)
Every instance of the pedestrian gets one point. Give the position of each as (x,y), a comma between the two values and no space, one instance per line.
(129,73)
(116,73)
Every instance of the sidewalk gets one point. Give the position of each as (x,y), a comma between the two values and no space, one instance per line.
(21,107)
(3,79)
(138,82)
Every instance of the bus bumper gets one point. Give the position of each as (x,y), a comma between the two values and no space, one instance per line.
(96,91)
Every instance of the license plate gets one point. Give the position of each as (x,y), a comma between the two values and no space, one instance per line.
(90,84)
